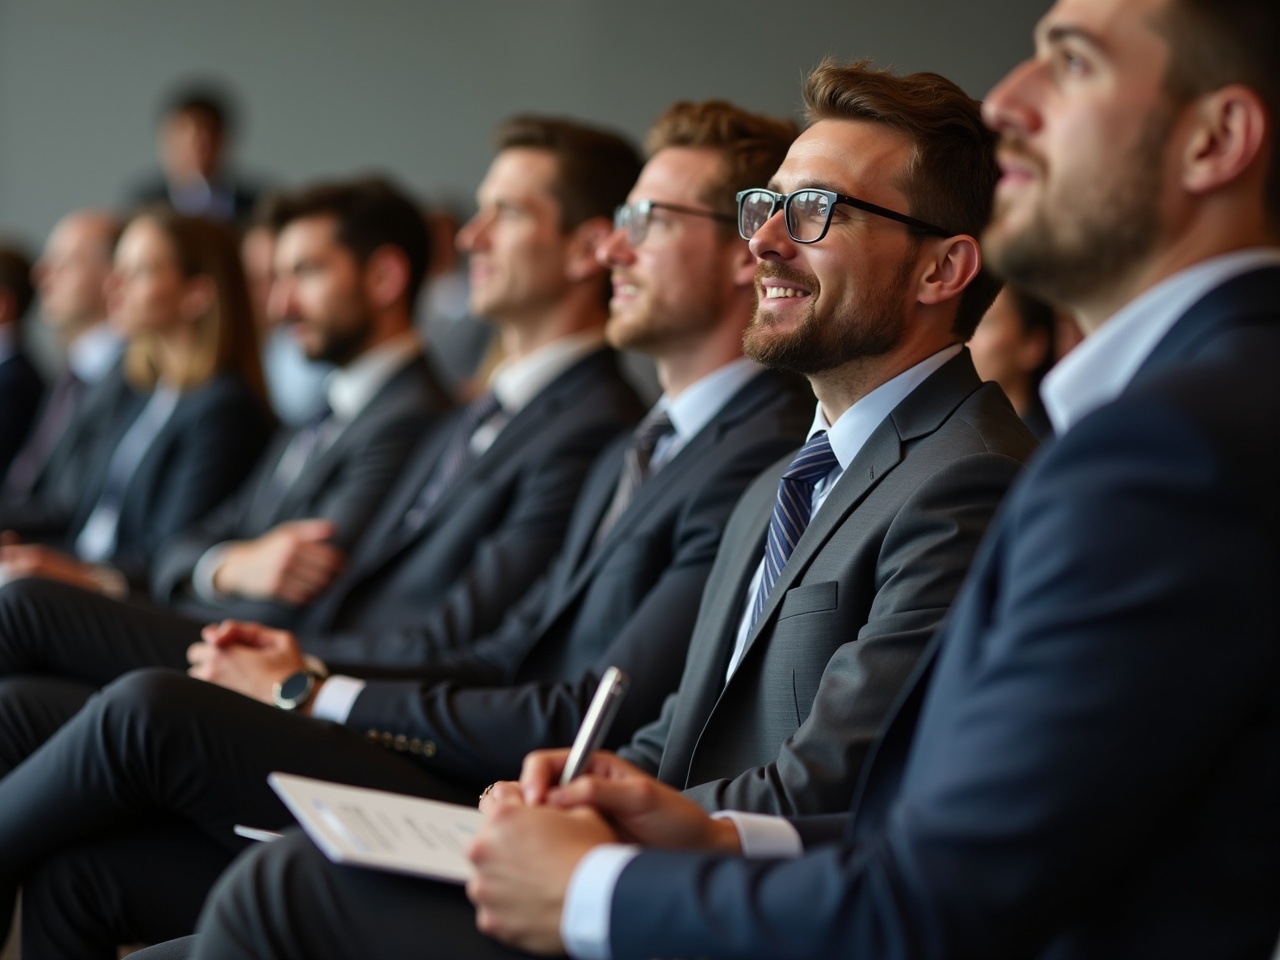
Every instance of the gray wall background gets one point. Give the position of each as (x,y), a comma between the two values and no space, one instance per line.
(414,87)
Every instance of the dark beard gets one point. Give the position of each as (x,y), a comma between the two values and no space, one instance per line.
(819,344)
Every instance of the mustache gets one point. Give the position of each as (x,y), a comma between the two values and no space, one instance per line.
(1015,148)
(778,271)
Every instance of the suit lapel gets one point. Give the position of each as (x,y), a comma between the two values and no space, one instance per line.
(920,413)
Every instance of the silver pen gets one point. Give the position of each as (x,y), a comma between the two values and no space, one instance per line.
(595,725)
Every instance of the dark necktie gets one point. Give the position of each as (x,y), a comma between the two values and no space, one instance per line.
(455,458)
(792,511)
(307,442)
(635,467)
(26,467)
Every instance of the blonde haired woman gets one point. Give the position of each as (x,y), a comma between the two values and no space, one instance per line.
(193,421)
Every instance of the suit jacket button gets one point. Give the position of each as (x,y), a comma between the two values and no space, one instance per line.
(385,738)
(371,735)
(402,743)
(428,748)
(415,746)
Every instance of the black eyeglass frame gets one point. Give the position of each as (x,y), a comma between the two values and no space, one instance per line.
(642,209)
(783,200)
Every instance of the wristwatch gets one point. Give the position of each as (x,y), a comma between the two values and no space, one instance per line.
(294,691)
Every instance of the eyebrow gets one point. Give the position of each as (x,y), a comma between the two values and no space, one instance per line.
(807,185)
(1060,33)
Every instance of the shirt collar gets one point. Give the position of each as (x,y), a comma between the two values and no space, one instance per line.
(695,405)
(350,388)
(1096,371)
(855,425)
(94,352)
(516,382)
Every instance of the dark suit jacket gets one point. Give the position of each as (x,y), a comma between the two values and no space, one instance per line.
(865,589)
(345,483)
(492,532)
(630,602)
(209,444)
(1087,764)
(88,439)
(20,390)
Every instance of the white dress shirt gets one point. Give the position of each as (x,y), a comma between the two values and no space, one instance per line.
(91,355)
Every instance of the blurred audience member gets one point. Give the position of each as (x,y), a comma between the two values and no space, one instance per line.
(70,276)
(459,342)
(1014,346)
(295,383)
(196,422)
(20,384)
(192,140)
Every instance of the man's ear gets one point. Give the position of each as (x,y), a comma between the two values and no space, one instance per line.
(1229,132)
(955,262)
(744,265)
(386,276)
(580,261)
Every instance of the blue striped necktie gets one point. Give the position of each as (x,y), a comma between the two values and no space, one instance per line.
(792,511)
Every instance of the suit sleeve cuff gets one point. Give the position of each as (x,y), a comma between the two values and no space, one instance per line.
(584,925)
(764,836)
(202,575)
(335,698)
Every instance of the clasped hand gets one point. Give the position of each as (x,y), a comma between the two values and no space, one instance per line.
(246,657)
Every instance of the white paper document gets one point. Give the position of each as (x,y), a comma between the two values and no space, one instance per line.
(386,831)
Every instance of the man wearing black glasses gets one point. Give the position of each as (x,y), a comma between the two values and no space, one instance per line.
(839,562)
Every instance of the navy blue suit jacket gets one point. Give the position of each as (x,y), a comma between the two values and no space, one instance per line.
(1088,764)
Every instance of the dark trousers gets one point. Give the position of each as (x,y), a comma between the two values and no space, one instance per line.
(118,825)
(286,899)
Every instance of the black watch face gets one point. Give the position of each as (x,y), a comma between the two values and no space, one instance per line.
(295,687)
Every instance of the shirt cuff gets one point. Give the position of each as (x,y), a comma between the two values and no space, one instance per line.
(335,698)
(584,925)
(764,836)
(202,575)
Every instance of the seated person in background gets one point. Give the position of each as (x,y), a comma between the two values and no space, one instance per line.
(193,137)
(1014,346)
(930,451)
(350,261)
(195,423)
(295,384)
(71,277)
(481,507)
(20,384)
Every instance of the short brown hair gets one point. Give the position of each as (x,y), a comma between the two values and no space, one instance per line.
(951,177)
(15,277)
(226,339)
(1214,43)
(752,145)
(371,212)
(595,169)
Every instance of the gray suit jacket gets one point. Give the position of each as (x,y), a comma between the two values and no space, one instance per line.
(868,583)
(345,483)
